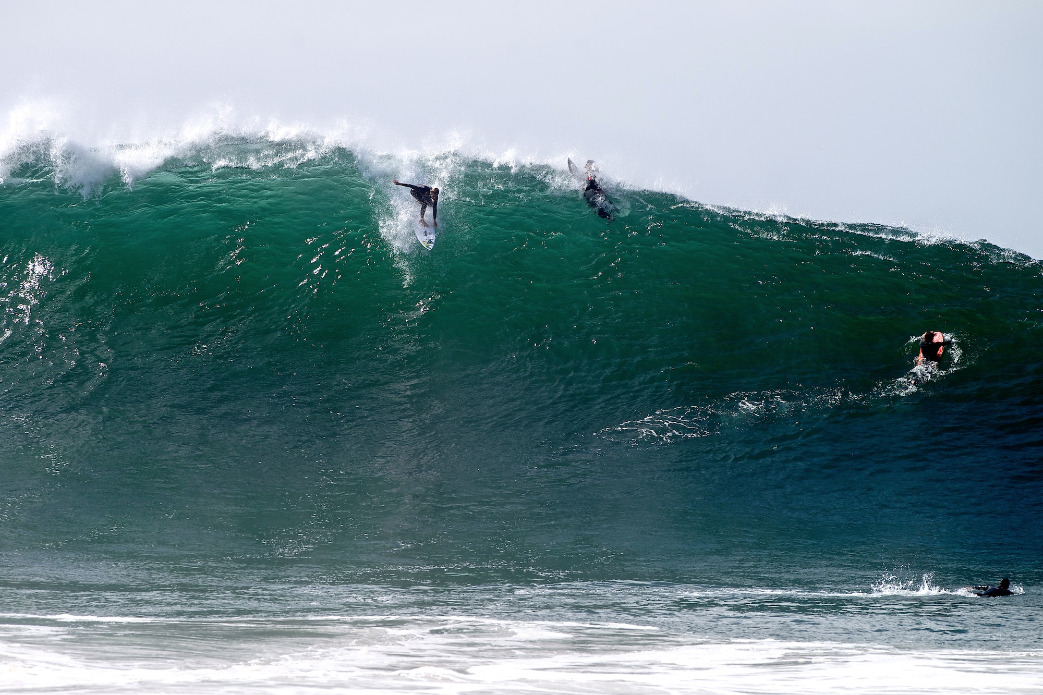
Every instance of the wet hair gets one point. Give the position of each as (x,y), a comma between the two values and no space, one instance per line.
(1004,583)
(928,342)
(435,190)
(930,349)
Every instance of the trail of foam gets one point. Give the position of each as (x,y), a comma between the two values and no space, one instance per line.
(745,408)
(447,656)
(642,601)
(27,289)
(740,409)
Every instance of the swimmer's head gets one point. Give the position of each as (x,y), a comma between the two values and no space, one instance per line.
(931,345)
(1004,583)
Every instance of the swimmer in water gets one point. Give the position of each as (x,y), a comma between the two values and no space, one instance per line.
(932,345)
(989,591)
(425,195)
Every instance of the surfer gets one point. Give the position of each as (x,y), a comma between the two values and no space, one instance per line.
(425,195)
(592,182)
(592,185)
(931,346)
(594,193)
(989,591)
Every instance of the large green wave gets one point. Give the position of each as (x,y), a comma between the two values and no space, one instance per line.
(245,356)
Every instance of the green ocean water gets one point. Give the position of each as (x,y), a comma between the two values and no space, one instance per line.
(242,374)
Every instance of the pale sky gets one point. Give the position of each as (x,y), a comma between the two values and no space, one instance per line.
(922,114)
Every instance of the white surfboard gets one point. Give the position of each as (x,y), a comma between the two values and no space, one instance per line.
(577,174)
(426,235)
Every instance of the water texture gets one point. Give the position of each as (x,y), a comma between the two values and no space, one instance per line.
(253,436)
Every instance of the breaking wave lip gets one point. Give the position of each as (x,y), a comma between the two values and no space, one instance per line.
(35,148)
(888,232)
(39,133)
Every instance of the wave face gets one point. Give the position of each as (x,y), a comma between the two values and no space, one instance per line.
(246,354)
(236,367)
(239,404)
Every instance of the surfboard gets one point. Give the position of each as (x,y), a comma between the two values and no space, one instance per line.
(577,173)
(425,235)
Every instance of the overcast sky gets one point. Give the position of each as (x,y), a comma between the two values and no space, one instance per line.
(924,114)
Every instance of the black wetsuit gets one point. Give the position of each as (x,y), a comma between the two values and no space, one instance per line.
(990,591)
(425,197)
(596,198)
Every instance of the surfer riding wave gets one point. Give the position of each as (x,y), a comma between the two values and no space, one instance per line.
(425,195)
(593,193)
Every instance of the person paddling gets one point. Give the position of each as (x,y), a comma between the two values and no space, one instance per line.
(594,194)
(989,591)
(592,181)
(425,195)
(931,346)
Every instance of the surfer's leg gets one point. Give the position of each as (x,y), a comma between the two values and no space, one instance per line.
(423,209)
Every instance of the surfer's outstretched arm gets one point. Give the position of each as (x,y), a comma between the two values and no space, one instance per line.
(407,185)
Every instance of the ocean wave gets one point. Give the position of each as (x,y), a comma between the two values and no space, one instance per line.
(451,656)
(40,140)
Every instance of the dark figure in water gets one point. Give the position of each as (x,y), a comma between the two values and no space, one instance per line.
(425,195)
(931,346)
(594,193)
(989,591)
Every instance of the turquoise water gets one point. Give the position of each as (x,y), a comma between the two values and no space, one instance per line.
(248,426)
